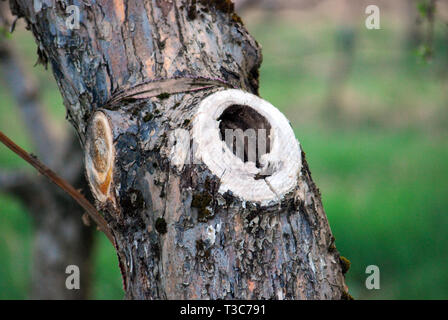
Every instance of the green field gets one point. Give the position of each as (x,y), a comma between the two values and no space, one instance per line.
(380,159)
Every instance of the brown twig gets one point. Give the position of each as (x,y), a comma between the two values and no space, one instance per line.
(64,185)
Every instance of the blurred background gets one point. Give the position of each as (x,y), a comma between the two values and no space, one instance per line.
(368,106)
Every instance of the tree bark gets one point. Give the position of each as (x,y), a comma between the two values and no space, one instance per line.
(135,77)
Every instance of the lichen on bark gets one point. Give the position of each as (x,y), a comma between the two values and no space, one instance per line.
(176,235)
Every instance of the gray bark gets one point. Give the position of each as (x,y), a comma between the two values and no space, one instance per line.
(160,213)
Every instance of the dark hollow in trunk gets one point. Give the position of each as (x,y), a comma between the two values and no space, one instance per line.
(244,118)
(187,225)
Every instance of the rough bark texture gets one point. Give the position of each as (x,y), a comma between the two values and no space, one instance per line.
(176,235)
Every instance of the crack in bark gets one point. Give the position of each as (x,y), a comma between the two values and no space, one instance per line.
(245,258)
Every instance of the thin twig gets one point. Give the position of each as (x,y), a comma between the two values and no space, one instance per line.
(64,185)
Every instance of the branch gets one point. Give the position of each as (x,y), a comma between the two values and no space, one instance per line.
(7,20)
(25,92)
(65,158)
(64,185)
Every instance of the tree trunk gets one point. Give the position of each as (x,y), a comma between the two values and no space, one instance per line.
(413,35)
(60,237)
(146,85)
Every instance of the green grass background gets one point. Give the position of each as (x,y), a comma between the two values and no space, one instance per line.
(381,161)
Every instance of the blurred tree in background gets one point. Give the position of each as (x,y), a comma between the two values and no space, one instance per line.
(371,113)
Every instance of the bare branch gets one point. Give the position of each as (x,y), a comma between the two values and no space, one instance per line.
(25,92)
(64,185)
(7,20)
(58,153)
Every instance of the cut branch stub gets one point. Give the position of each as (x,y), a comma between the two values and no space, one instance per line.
(99,157)
(266,163)
(179,238)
